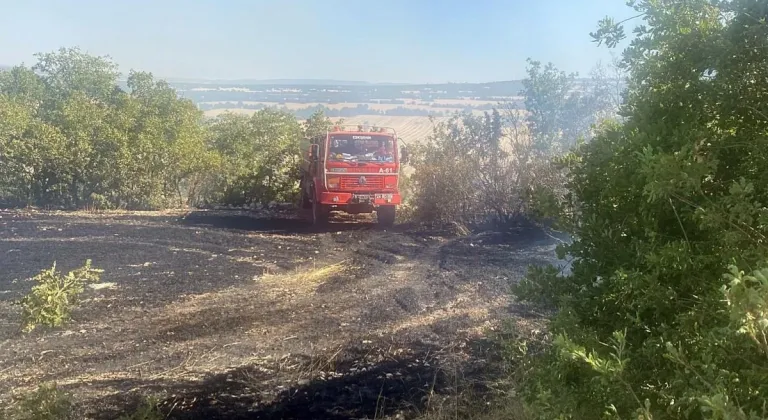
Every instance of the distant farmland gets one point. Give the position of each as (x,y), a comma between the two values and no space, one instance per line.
(412,128)
(437,104)
(355,108)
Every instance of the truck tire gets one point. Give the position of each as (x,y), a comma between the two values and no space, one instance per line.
(320,212)
(306,202)
(386,215)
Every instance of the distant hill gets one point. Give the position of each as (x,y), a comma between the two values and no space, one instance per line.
(321,82)
(314,91)
(270,82)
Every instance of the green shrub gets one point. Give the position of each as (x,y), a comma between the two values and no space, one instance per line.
(46,403)
(662,206)
(469,170)
(260,156)
(50,302)
(491,167)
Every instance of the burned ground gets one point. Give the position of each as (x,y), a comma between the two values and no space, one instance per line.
(240,315)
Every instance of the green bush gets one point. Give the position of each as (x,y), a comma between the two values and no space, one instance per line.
(471,171)
(662,206)
(475,169)
(48,402)
(260,157)
(51,301)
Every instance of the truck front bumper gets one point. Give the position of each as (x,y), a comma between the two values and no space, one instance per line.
(345,198)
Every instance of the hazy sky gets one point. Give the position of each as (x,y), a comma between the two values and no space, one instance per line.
(371,40)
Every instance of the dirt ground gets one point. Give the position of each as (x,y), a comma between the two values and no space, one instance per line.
(239,315)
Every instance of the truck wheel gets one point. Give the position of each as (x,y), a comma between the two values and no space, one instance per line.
(320,212)
(386,215)
(306,203)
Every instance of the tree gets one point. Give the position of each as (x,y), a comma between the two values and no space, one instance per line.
(260,156)
(19,159)
(560,111)
(171,140)
(70,136)
(316,126)
(22,84)
(70,70)
(654,319)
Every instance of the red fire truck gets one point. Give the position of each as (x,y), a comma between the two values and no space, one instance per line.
(354,169)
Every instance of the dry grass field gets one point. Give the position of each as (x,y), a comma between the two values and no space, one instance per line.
(410,128)
(213,113)
(414,129)
(342,105)
(409,104)
(468,102)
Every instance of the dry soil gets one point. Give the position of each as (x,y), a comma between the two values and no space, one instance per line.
(226,314)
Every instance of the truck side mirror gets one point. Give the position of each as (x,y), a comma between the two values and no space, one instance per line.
(403,155)
(314,152)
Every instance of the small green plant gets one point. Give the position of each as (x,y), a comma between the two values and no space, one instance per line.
(148,410)
(50,302)
(48,402)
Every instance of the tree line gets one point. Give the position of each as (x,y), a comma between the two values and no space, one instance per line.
(71,137)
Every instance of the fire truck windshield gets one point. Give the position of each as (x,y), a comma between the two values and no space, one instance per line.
(361,148)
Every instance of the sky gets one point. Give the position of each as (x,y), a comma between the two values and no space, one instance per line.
(412,41)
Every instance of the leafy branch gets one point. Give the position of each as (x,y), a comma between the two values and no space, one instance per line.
(51,300)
